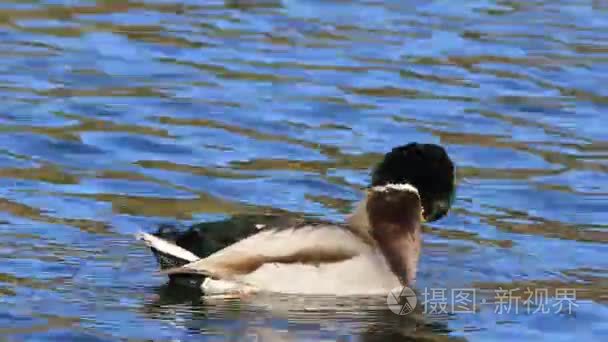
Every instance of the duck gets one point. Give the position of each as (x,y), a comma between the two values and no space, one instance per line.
(374,250)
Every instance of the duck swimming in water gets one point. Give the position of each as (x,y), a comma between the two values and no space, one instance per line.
(374,251)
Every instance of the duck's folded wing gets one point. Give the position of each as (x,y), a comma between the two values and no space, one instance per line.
(312,244)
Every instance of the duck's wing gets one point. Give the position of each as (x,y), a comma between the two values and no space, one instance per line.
(205,238)
(308,244)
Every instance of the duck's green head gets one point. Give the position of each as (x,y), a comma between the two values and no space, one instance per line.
(425,166)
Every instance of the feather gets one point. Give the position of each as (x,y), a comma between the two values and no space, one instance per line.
(165,251)
(311,244)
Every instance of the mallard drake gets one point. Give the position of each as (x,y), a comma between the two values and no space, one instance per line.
(375,250)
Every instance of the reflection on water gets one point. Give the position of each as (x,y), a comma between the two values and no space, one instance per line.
(287,318)
(122,115)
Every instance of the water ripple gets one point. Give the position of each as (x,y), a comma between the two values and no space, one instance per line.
(119,116)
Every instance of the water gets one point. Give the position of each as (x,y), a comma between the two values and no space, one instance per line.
(118,116)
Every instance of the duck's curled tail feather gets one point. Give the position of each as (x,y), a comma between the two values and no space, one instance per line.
(168,254)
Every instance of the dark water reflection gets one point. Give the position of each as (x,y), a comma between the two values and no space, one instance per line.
(121,115)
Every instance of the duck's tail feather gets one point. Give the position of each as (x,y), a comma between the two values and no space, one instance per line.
(168,254)
(180,270)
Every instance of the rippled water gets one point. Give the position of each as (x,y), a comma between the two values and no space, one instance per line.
(118,116)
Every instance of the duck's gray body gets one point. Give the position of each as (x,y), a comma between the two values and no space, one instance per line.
(311,259)
(363,259)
